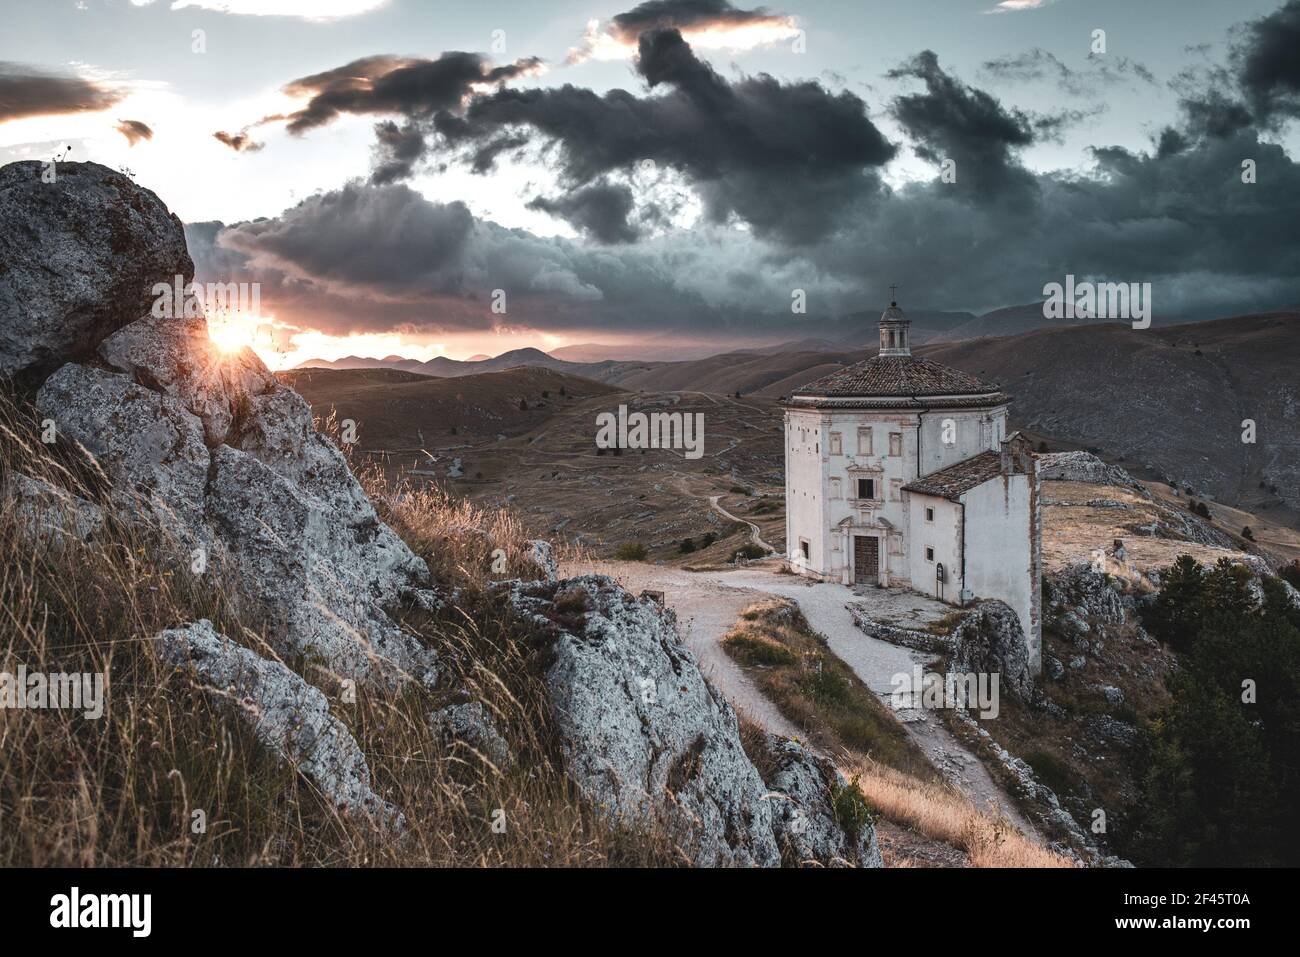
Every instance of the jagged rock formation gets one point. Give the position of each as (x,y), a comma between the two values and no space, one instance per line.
(802,790)
(79,257)
(291,719)
(645,736)
(991,641)
(212,451)
(1082,467)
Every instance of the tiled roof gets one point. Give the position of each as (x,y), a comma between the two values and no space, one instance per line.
(895,376)
(955,479)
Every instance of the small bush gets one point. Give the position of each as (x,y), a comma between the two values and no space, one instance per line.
(748,553)
(687,546)
(631,552)
(852,810)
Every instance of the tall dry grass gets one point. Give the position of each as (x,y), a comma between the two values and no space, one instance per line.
(122,790)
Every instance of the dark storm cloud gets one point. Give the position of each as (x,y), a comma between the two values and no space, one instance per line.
(785,158)
(1268,65)
(600,211)
(369,258)
(402,86)
(134,131)
(1259,88)
(29,91)
(684,14)
(397,150)
(240,142)
(952,120)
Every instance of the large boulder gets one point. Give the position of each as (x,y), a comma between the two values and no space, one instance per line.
(78,259)
(289,717)
(175,357)
(990,641)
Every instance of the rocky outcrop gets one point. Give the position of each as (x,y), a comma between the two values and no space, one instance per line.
(290,718)
(1082,467)
(646,737)
(78,260)
(991,641)
(209,450)
(803,790)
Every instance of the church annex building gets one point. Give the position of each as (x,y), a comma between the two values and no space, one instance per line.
(900,472)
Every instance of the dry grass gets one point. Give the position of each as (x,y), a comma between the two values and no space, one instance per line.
(815,690)
(121,790)
(937,811)
(822,696)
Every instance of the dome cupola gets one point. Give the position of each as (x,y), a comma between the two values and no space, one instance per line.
(894,325)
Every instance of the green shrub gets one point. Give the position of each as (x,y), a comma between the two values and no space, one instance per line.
(631,552)
(852,810)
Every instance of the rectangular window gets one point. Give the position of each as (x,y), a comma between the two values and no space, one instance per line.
(836,444)
(835,487)
(803,547)
(895,490)
(929,554)
(864,441)
(929,514)
(867,488)
(896,444)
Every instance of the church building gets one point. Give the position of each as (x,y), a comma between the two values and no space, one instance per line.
(899,472)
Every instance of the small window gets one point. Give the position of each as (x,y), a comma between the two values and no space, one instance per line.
(835,487)
(896,444)
(929,554)
(929,514)
(867,488)
(836,444)
(803,547)
(864,441)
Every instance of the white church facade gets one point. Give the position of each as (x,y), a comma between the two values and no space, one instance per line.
(900,472)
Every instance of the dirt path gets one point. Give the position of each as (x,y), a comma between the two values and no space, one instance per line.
(708,603)
(755,533)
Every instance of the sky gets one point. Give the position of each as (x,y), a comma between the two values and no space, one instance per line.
(423,178)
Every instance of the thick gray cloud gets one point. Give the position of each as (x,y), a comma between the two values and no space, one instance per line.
(600,211)
(1267,61)
(29,91)
(784,158)
(954,121)
(398,85)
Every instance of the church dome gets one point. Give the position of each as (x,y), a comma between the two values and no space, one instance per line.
(897,379)
(896,376)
